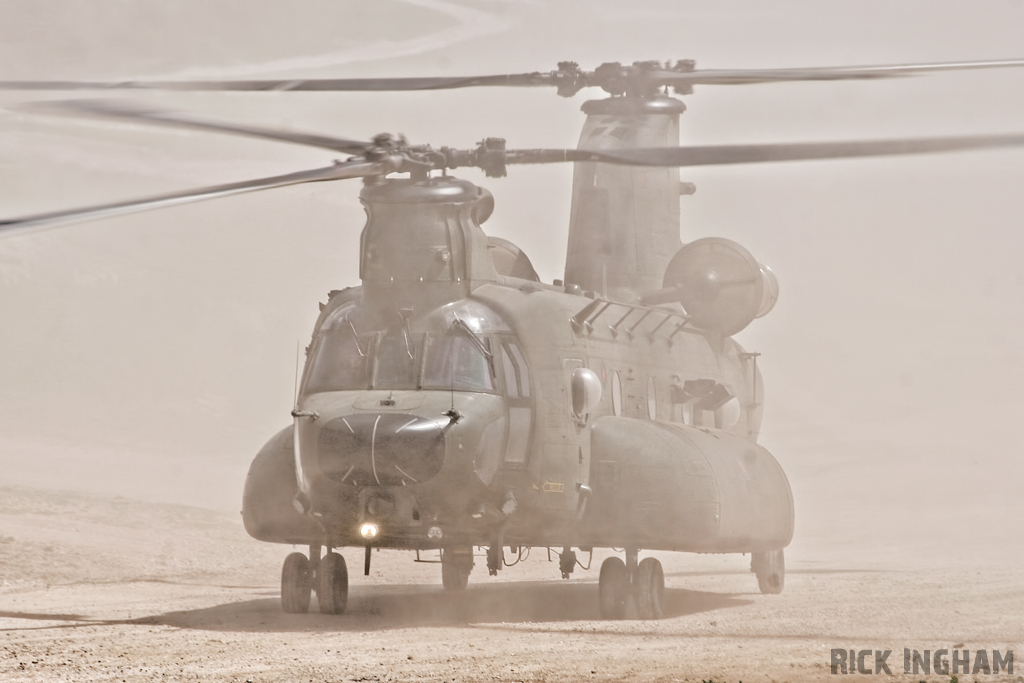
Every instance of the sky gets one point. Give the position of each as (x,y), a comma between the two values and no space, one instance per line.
(151,355)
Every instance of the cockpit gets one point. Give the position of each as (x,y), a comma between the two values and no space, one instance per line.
(453,354)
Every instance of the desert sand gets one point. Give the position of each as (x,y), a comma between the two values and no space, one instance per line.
(103,589)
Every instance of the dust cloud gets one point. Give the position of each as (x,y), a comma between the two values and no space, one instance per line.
(150,356)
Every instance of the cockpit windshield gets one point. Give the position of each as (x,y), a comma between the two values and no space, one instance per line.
(340,363)
(399,360)
(395,362)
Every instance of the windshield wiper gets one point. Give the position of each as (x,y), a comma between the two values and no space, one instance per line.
(474,337)
(405,331)
(355,336)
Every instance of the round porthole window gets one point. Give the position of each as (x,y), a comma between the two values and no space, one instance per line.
(616,394)
(652,399)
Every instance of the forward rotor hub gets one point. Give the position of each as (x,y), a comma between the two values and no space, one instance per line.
(635,80)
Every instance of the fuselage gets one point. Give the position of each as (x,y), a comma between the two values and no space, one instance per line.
(444,427)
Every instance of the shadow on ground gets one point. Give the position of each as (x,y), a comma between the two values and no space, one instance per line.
(388,607)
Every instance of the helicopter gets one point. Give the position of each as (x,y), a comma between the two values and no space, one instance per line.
(453,400)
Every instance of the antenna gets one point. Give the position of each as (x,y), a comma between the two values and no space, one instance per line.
(298,357)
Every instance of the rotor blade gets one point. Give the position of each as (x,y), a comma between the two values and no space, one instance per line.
(567,77)
(130,111)
(354,169)
(712,155)
(841,73)
(303,84)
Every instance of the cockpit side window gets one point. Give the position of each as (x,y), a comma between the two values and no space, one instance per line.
(511,372)
(339,363)
(454,361)
(521,369)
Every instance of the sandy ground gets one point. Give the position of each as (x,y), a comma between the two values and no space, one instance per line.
(107,589)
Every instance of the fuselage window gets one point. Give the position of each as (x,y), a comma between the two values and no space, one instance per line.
(652,399)
(616,393)
(339,363)
(454,361)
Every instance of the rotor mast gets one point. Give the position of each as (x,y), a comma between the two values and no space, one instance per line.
(624,223)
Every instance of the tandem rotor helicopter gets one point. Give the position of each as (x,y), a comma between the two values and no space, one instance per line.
(453,400)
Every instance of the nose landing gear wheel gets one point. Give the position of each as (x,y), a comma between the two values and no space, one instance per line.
(332,585)
(456,564)
(296,584)
(613,588)
(650,589)
(770,570)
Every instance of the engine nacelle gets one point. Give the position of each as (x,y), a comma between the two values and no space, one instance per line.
(719,284)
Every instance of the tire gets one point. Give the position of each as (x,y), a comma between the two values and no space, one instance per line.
(770,569)
(455,570)
(650,589)
(332,584)
(296,584)
(613,588)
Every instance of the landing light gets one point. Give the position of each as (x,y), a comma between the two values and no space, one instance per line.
(369,531)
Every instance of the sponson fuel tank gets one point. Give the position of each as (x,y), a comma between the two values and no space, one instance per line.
(268,501)
(670,486)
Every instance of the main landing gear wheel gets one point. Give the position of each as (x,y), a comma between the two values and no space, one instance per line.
(456,564)
(770,570)
(332,584)
(650,589)
(613,587)
(296,584)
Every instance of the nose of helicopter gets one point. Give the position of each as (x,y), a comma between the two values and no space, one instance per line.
(382,449)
